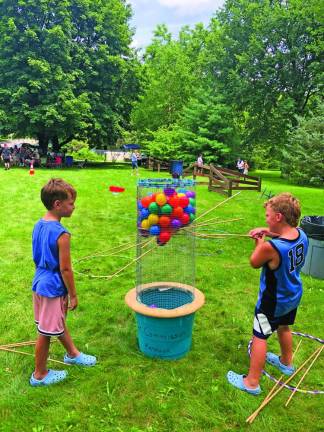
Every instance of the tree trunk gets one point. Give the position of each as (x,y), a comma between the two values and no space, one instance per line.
(43,142)
(56,145)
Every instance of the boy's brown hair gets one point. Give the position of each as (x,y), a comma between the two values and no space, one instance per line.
(287,205)
(56,189)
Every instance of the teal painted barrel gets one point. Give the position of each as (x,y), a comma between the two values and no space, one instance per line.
(165,338)
(165,318)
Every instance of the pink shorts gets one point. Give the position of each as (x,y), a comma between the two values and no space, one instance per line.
(50,313)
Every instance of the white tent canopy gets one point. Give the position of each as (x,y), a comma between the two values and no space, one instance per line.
(18,142)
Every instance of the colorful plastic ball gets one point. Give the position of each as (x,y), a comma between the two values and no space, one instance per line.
(190,194)
(139,205)
(182,191)
(145,224)
(161,199)
(176,224)
(153,219)
(154,208)
(181,194)
(185,219)
(144,213)
(164,236)
(174,201)
(183,201)
(166,209)
(146,201)
(192,217)
(164,221)
(177,213)
(155,230)
(192,201)
(189,209)
(153,196)
(169,191)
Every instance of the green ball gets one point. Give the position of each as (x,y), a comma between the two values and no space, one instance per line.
(192,201)
(192,217)
(154,208)
(166,209)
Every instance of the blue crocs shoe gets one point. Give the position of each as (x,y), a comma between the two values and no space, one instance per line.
(274,360)
(81,360)
(237,381)
(53,377)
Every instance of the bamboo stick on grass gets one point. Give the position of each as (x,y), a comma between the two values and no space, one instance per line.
(268,399)
(29,354)
(219,204)
(302,378)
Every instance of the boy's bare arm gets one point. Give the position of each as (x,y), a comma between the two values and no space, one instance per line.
(259,232)
(263,253)
(66,269)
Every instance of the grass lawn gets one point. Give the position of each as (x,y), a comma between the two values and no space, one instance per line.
(126,391)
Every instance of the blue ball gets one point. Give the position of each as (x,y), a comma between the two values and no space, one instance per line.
(155,230)
(189,209)
(139,205)
(145,213)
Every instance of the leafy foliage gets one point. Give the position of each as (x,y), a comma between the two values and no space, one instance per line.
(303,155)
(66,69)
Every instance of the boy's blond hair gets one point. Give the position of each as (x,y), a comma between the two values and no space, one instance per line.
(56,189)
(287,205)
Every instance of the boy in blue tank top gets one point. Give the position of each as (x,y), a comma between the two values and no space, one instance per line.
(53,284)
(280,291)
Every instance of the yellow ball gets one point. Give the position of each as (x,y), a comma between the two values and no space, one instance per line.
(145,224)
(181,194)
(153,219)
(160,199)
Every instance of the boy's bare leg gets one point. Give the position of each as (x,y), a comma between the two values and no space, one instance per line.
(257,360)
(286,344)
(68,343)
(41,354)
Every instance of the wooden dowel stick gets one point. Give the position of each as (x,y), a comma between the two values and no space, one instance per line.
(281,377)
(219,204)
(267,400)
(29,354)
(134,260)
(216,222)
(302,378)
(21,344)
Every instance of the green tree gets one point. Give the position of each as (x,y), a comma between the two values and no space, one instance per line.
(168,84)
(303,155)
(66,69)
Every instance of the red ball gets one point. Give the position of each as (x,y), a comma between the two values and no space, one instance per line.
(164,221)
(177,213)
(183,201)
(146,201)
(164,236)
(174,201)
(185,219)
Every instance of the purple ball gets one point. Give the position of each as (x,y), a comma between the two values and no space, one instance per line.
(169,191)
(190,194)
(176,224)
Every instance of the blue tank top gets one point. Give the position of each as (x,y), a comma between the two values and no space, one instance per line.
(281,289)
(47,281)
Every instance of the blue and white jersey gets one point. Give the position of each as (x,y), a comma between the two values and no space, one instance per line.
(281,289)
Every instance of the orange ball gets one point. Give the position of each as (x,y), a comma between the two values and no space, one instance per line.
(174,201)
(164,221)
(177,213)
(146,201)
